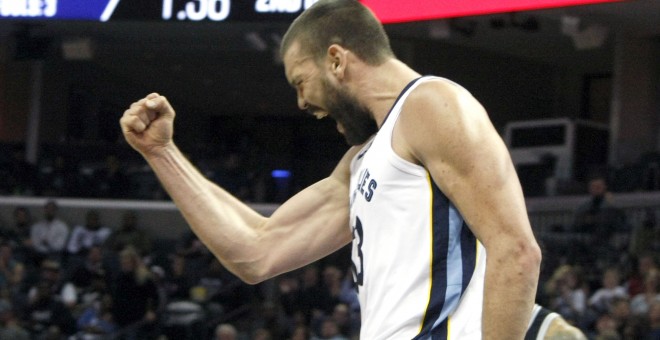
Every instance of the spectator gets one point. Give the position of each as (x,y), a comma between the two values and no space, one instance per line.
(225,331)
(129,234)
(643,265)
(605,329)
(566,293)
(12,272)
(61,290)
(91,234)
(87,274)
(315,301)
(261,334)
(640,303)
(301,332)
(330,331)
(50,234)
(177,282)
(18,235)
(611,288)
(46,316)
(620,313)
(135,297)
(654,320)
(645,237)
(599,218)
(10,325)
(96,321)
(348,324)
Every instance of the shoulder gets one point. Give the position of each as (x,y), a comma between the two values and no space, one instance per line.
(439,118)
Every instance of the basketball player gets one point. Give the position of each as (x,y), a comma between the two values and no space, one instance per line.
(428,195)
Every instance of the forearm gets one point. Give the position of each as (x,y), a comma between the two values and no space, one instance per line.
(225,225)
(509,292)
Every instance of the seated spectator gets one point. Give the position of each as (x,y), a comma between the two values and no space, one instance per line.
(605,329)
(643,265)
(301,332)
(219,286)
(129,234)
(599,218)
(18,236)
(645,236)
(61,290)
(620,313)
(329,331)
(12,272)
(640,303)
(566,294)
(96,320)
(611,288)
(47,317)
(225,331)
(177,282)
(84,237)
(347,322)
(90,275)
(10,325)
(654,321)
(49,235)
(135,296)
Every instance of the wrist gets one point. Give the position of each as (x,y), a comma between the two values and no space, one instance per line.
(160,151)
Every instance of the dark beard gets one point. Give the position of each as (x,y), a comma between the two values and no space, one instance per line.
(356,119)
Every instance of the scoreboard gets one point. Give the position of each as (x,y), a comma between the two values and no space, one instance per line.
(388,11)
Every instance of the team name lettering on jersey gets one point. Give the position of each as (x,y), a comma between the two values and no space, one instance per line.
(365,187)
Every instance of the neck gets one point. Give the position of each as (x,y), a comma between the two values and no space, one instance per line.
(379,86)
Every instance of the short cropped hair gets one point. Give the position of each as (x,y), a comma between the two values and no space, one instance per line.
(344,22)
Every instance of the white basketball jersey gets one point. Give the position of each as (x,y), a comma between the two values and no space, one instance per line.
(419,270)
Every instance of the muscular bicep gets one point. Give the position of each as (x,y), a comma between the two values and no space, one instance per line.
(310,225)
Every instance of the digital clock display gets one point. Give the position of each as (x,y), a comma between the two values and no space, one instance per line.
(160,10)
(257,10)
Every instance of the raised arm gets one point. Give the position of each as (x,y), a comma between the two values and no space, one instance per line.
(444,128)
(310,225)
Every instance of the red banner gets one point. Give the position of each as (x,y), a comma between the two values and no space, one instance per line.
(389,11)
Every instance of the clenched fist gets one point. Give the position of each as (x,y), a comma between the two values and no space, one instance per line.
(148,124)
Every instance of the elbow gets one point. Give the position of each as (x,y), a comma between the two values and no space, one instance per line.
(251,278)
(529,258)
(251,273)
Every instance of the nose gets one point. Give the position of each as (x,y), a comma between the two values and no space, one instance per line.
(302,104)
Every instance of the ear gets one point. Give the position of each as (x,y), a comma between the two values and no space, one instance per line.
(337,60)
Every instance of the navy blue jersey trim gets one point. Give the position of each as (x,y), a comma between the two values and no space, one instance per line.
(405,89)
(440,223)
(469,252)
(535,327)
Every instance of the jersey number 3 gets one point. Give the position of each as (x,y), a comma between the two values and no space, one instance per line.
(358,261)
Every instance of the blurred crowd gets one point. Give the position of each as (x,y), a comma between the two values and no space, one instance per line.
(89,280)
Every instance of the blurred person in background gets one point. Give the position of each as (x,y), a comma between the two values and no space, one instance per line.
(49,235)
(85,236)
(129,234)
(135,297)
